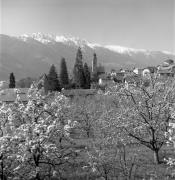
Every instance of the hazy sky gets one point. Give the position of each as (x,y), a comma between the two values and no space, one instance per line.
(148,24)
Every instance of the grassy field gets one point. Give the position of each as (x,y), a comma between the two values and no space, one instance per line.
(145,166)
(139,161)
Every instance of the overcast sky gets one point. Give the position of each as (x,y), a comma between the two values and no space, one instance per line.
(145,24)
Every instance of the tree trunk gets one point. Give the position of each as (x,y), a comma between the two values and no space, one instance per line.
(156,156)
(88,133)
(38,176)
(105,174)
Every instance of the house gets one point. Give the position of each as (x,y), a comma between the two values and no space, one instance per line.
(138,71)
(150,70)
(146,73)
(10,95)
(78,92)
(132,79)
(104,78)
(167,68)
(118,76)
(4,85)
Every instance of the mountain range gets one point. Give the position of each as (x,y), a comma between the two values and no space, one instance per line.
(32,55)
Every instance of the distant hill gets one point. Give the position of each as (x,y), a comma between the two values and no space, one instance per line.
(32,55)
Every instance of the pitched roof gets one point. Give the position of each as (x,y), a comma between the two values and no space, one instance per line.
(167,69)
(169,61)
(10,95)
(152,69)
(119,77)
(132,78)
(79,92)
(104,76)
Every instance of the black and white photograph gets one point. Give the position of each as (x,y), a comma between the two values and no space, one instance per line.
(87,89)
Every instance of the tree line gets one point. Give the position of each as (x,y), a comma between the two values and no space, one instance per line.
(81,78)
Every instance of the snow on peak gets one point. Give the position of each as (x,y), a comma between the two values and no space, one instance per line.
(61,39)
(49,38)
(37,36)
(71,40)
(168,53)
(124,50)
(24,37)
(75,41)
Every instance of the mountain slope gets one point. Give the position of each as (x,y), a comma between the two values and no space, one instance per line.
(32,55)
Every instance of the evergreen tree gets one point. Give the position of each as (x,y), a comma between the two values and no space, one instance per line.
(12,81)
(53,82)
(87,77)
(46,84)
(64,78)
(78,71)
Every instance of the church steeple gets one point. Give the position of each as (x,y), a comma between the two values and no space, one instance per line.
(94,64)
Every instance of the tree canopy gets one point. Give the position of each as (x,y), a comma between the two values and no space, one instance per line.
(144,113)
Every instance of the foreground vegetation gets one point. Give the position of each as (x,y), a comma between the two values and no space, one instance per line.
(120,134)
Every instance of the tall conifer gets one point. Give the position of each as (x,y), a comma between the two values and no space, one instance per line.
(53,81)
(64,78)
(87,76)
(12,81)
(78,71)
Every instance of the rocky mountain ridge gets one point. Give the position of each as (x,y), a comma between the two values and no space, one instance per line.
(31,55)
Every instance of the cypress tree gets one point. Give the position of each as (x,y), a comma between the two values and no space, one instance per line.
(78,71)
(12,81)
(53,82)
(87,76)
(64,78)
(46,84)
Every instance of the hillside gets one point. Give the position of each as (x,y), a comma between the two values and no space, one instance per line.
(32,55)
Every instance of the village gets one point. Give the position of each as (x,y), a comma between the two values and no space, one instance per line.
(126,77)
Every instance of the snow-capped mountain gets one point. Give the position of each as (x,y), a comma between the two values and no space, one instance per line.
(32,54)
(126,50)
(49,38)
